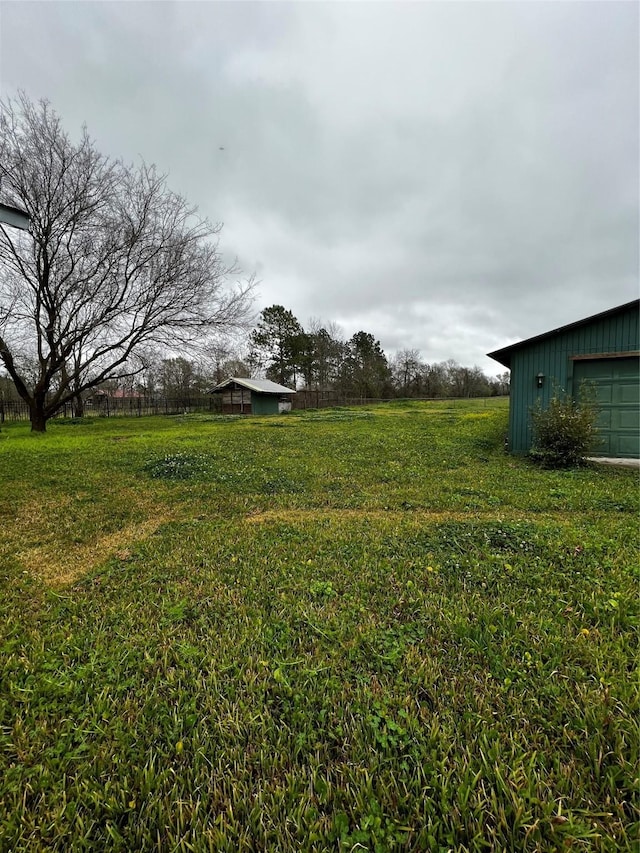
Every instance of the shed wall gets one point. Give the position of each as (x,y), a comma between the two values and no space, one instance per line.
(264,404)
(552,357)
(236,401)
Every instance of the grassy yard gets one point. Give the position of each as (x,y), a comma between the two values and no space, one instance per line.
(363,629)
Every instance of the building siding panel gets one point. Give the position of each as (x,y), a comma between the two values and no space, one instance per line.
(265,404)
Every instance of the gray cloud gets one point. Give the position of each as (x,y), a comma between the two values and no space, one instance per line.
(450,177)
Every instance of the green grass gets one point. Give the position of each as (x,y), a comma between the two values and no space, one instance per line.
(363,629)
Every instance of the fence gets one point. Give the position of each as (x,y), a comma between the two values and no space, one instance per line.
(326,399)
(109,407)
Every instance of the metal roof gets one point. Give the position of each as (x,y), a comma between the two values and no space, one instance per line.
(262,386)
(503,356)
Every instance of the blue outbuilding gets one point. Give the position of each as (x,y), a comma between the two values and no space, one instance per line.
(604,350)
(245,396)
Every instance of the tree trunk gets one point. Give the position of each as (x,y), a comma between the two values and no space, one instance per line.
(77,406)
(38,419)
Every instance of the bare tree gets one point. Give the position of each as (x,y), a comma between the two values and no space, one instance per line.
(406,367)
(115,263)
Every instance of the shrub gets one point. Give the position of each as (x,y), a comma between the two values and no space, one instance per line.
(564,432)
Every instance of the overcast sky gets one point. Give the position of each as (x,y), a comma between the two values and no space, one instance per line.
(451,177)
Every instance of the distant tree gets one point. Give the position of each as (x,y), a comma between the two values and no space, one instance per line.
(218,353)
(406,369)
(73,375)
(503,383)
(479,384)
(234,367)
(467,381)
(435,380)
(328,352)
(178,380)
(276,344)
(8,391)
(115,262)
(302,355)
(149,377)
(365,370)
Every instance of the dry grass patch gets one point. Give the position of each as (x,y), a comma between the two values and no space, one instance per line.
(62,541)
(58,567)
(302,516)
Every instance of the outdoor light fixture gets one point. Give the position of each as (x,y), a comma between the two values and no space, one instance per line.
(539,380)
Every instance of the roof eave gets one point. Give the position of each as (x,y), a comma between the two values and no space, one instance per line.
(503,356)
(500,356)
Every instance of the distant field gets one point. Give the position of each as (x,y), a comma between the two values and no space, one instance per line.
(350,629)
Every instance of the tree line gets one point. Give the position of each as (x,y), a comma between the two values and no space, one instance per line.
(319,357)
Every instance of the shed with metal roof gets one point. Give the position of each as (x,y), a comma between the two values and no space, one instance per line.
(245,396)
(604,350)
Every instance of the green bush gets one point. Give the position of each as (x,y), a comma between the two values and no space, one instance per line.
(565,432)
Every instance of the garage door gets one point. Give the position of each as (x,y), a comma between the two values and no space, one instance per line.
(617,385)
